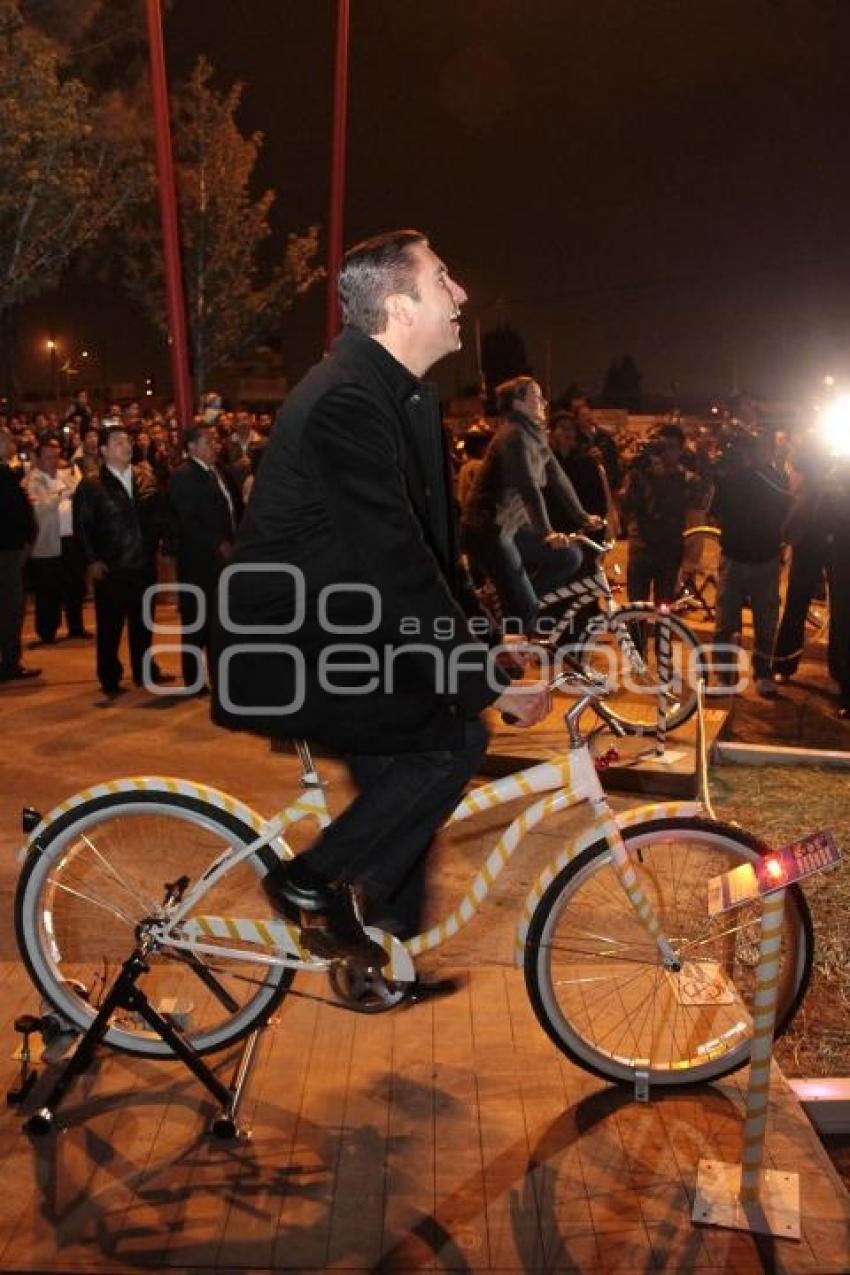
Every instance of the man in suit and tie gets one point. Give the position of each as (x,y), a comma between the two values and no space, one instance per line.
(120,518)
(206,508)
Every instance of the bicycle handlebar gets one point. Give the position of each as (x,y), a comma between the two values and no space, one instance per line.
(600,547)
(592,694)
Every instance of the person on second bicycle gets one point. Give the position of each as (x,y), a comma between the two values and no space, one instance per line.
(506,527)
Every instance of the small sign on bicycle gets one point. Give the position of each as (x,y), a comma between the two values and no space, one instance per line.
(817,852)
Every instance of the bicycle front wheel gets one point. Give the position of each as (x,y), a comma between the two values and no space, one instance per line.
(101,870)
(596,979)
(625,649)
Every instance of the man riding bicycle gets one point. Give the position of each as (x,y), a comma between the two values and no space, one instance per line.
(506,529)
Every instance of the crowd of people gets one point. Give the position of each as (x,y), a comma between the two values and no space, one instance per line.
(533,476)
(105,503)
(344,516)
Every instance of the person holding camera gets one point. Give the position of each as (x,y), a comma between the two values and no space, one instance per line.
(658,494)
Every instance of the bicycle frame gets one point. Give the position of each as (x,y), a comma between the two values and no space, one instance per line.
(594,586)
(568,780)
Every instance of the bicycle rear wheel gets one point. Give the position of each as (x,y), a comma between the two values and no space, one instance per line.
(701,569)
(624,649)
(101,870)
(595,977)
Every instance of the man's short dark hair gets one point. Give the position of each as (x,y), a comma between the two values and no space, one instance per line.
(196,431)
(108,430)
(561,417)
(672,431)
(372,271)
(516,387)
(46,440)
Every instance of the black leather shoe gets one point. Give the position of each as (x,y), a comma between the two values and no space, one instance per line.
(332,929)
(113,692)
(18,673)
(423,989)
(293,882)
(337,933)
(157,678)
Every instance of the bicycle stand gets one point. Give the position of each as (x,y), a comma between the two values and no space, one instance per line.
(125,994)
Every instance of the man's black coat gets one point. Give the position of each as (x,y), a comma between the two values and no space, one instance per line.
(18,527)
(349,541)
(202,525)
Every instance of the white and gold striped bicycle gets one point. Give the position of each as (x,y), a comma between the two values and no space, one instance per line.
(626,971)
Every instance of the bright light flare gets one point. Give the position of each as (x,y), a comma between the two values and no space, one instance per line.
(775,868)
(834,426)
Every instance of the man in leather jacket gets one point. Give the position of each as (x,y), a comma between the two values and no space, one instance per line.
(120,517)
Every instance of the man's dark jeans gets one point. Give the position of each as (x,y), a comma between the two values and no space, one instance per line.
(652,575)
(380,841)
(804,580)
(758,583)
(507,559)
(118,600)
(11,606)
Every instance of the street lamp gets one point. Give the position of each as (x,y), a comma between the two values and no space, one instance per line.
(51,350)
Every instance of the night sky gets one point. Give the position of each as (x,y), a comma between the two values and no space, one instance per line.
(667,178)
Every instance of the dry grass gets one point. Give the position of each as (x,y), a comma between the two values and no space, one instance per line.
(780,803)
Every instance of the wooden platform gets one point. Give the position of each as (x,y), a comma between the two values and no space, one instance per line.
(638,769)
(451,1136)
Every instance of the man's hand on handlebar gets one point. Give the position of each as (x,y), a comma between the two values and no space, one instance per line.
(525,705)
(594,525)
(514,655)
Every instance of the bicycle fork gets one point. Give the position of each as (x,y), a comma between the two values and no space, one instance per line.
(630,882)
(626,874)
(589,783)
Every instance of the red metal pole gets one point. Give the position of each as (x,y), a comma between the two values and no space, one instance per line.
(337,196)
(179,349)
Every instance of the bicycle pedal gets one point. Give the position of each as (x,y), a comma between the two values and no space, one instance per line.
(363,988)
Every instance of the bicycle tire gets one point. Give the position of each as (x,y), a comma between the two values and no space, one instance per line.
(701,568)
(85,888)
(594,975)
(634,698)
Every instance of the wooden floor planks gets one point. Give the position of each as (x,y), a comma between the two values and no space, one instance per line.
(449,1136)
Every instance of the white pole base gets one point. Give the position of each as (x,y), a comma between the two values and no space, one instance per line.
(665,758)
(718,1201)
